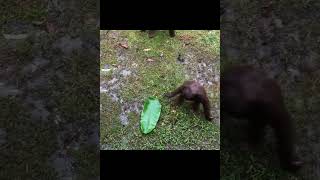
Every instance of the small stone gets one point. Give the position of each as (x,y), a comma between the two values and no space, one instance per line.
(278,23)
(15,36)
(125,73)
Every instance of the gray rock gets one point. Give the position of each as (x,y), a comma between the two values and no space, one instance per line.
(278,23)
(15,36)
(125,73)
(17,30)
(124,119)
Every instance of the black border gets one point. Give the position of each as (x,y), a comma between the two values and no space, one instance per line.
(203,164)
(181,15)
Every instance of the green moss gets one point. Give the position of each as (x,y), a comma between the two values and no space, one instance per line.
(108,55)
(212,41)
(109,119)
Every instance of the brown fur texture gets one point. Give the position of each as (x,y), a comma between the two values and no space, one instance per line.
(248,93)
(195,92)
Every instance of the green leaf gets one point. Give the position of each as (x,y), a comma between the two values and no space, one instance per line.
(150,115)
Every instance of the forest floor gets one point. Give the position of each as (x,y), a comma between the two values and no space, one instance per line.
(282,38)
(134,67)
(49,122)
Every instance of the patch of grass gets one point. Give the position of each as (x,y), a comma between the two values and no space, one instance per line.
(158,45)
(212,39)
(247,165)
(77,101)
(29,144)
(34,10)
(107,55)
(178,128)
(23,51)
(87,6)
(153,81)
(87,162)
(78,89)
(109,119)
(151,76)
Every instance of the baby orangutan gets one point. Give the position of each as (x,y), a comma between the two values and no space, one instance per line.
(195,92)
(250,94)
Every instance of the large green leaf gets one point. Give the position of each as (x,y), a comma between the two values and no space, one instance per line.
(150,114)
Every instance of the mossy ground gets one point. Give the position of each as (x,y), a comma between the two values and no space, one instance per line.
(155,71)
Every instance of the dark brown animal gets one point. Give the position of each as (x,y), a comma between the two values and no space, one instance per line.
(248,93)
(195,92)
